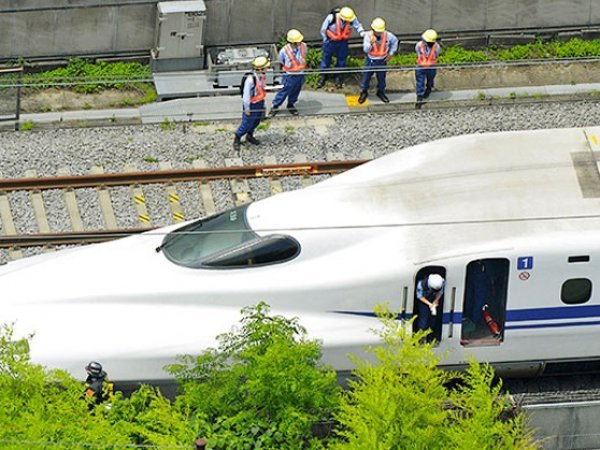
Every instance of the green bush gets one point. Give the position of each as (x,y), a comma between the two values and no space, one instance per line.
(85,77)
(402,401)
(46,409)
(263,387)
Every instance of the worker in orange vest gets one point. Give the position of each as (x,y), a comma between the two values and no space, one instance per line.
(379,45)
(336,30)
(293,60)
(428,52)
(254,91)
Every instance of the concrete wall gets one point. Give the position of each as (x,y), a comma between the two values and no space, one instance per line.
(51,28)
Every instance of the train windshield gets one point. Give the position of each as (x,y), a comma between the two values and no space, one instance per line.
(226,241)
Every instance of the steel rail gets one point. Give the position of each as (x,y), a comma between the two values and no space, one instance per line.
(172,176)
(66,238)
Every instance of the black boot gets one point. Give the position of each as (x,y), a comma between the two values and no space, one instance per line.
(338,82)
(384,98)
(236,143)
(292,109)
(250,138)
(427,92)
(363,97)
(274,111)
(419,103)
(321,81)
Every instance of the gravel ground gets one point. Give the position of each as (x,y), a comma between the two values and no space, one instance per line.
(45,151)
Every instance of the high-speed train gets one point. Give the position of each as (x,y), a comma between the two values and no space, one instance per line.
(510,220)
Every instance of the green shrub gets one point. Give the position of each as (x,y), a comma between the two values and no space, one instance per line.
(263,387)
(402,401)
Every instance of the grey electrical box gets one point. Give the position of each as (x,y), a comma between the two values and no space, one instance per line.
(179,36)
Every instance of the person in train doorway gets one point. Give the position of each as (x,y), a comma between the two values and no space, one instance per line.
(254,91)
(428,52)
(336,31)
(429,292)
(379,45)
(97,387)
(293,60)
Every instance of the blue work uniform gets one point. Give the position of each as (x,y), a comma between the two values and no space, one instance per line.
(423,311)
(256,108)
(293,77)
(377,62)
(425,75)
(331,48)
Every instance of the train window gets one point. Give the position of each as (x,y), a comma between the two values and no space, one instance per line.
(576,291)
(484,307)
(193,242)
(226,241)
(259,252)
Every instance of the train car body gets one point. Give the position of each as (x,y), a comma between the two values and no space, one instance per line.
(511,220)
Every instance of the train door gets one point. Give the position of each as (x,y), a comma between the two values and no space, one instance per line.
(484,306)
(428,318)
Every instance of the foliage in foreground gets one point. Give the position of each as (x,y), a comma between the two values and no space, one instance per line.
(263,387)
(41,409)
(404,401)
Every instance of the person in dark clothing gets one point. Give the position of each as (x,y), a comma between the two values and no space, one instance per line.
(96,384)
(429,292)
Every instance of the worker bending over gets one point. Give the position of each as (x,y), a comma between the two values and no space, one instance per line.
(336,30)
(379,45)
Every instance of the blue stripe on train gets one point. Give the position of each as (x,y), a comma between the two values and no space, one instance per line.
(530,314)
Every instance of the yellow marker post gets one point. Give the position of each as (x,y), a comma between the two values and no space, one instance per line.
(352,101)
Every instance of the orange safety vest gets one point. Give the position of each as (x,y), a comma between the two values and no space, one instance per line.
(342,32)
(427,60)
(260,88)
(296,66)
(377,51)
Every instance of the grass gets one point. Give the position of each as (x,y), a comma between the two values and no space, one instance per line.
(27,125)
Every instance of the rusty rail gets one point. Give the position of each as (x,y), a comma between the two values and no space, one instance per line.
(171,176)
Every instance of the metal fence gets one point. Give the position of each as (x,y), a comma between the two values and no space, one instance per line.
(11,81)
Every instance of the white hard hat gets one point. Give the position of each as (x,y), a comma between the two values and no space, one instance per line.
(261,62)
(378,24)
(347,14)
(430,36)
(435,282)
(294,36)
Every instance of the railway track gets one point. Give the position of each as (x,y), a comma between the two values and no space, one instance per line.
(236,175)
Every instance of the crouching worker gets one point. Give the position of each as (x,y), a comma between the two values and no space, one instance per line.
(253,99)
(97,387)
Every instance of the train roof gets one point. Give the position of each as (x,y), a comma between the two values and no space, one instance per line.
(481,190)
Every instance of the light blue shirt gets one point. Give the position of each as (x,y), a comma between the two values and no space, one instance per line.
(249,90)
(391,44)
(286,60)
(329,22)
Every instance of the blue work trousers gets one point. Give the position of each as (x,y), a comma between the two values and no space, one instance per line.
(249,123)
(292,84)
(367,74)
(424,316)
(339,49)
(424,79)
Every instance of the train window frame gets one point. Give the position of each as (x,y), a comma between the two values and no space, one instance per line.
(587,293)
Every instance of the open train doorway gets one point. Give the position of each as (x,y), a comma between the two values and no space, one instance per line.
(429,301)
(484,307)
